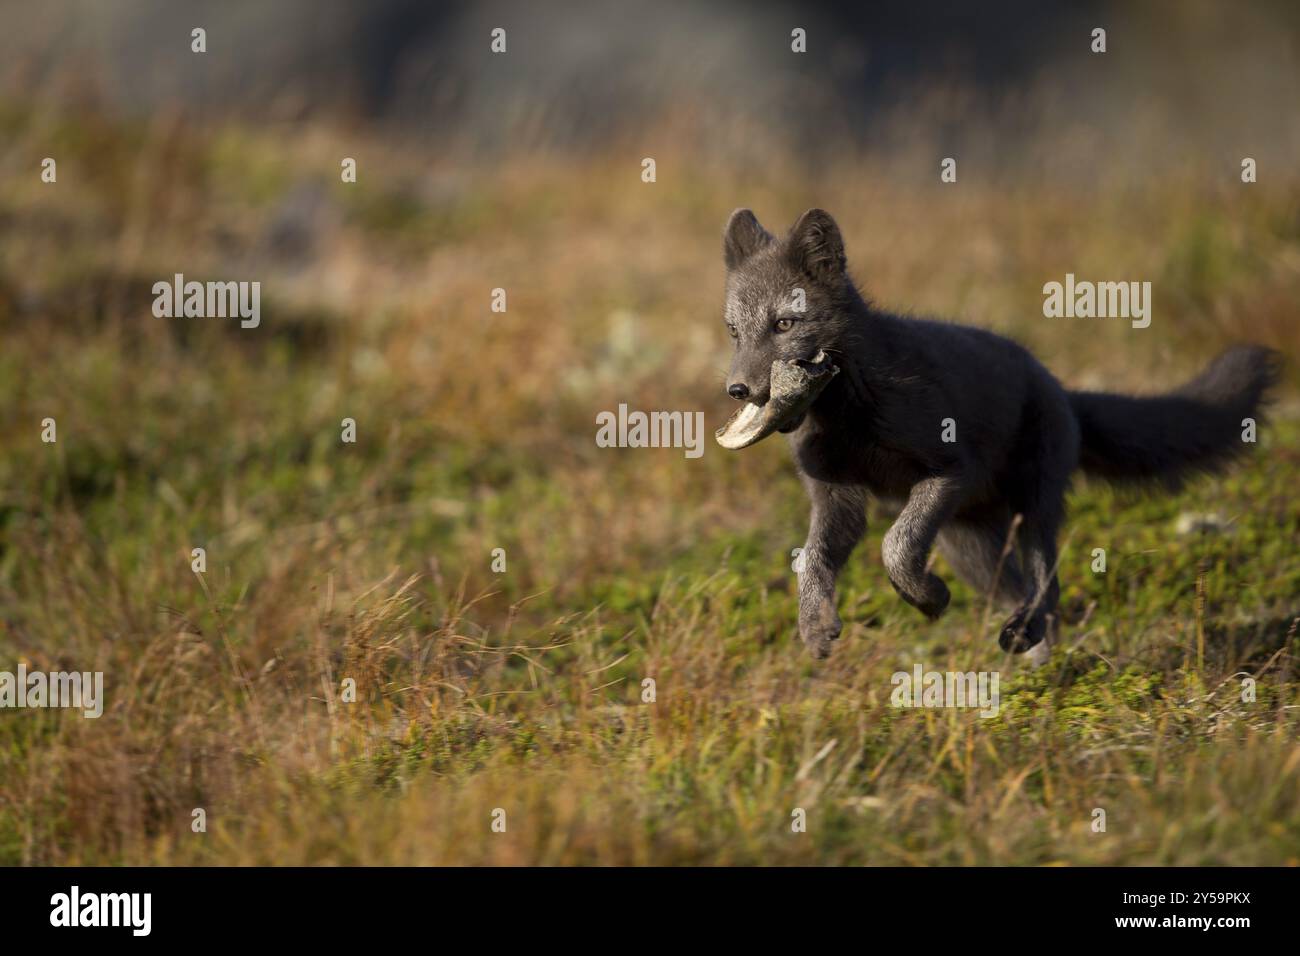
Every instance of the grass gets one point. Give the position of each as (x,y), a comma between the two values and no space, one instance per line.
(523,690)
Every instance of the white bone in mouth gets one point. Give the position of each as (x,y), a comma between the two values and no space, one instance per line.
(795,385)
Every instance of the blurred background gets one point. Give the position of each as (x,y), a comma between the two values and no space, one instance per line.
(580,74)
(522,171)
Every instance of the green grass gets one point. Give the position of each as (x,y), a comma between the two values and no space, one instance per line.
(523,691)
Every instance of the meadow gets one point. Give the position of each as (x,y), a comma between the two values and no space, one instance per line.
(523,690)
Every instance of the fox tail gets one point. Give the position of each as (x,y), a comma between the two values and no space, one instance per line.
(1168,438)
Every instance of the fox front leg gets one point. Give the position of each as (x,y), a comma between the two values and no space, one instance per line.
(906,548)
(837,524)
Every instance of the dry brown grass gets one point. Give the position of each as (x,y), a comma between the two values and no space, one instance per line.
(522,691)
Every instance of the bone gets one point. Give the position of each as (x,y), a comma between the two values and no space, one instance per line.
(796,383)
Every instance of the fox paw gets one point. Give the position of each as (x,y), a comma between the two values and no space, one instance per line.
(819,637)
(819,625)
(930,598)
(1022,631)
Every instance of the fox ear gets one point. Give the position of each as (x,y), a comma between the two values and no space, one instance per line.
(816,245)
(742,238)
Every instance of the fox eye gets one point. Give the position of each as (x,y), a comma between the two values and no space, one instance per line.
(784,325)
(731,330)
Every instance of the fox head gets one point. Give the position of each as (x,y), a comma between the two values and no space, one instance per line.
(786,298)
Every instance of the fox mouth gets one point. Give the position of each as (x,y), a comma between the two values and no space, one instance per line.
(796,383)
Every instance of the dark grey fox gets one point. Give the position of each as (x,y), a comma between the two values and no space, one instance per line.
(902,386)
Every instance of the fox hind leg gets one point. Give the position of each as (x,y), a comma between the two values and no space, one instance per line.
(1039,495)
(979,553)
(1032,621)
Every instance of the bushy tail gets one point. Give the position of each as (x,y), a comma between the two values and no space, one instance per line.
(1167,438)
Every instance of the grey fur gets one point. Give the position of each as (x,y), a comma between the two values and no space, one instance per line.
(877,428)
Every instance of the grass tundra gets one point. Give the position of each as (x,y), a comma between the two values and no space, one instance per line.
(629,574)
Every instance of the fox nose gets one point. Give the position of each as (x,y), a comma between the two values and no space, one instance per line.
(738,391)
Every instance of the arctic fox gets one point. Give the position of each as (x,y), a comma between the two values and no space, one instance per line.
(963,426)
